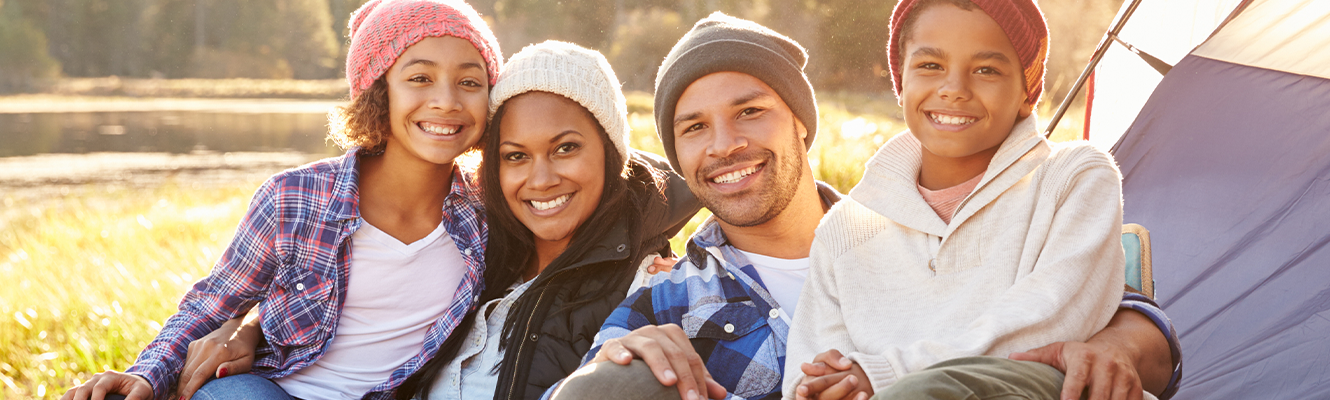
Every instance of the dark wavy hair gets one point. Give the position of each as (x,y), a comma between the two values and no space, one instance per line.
(511,248)
(363,121)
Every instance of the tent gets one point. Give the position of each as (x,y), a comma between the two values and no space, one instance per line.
(1228,165)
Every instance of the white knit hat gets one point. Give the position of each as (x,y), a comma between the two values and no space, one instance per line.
(580,74)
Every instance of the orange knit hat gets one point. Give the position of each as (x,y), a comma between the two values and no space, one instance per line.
(1021,20)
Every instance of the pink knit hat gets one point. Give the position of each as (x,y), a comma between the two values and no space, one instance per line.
(1021,20)
(382,29)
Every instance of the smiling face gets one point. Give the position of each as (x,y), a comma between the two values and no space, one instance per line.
(438,99)
(551,164)
(739,146)
(962,87)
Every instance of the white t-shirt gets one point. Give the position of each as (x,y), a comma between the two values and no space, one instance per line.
(396,292)
(783,278)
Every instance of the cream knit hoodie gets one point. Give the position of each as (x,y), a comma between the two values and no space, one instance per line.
(1033,256)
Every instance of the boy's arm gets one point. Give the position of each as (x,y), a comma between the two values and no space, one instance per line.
(1072,291)
(818,324)
(236,283)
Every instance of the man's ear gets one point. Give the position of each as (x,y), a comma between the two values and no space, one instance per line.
(800,129)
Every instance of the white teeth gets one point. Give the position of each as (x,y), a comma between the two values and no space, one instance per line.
(439,129)
(951,120)
(545,205)
(736,175)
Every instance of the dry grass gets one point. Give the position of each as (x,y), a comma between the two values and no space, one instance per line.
(91,275)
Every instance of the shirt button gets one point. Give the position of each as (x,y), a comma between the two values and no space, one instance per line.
(466,252)
(535,337)
(774,313)
(300,286)
(729,328)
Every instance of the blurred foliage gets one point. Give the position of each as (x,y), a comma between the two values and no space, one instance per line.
(189,38)
(307,39)
(24,48)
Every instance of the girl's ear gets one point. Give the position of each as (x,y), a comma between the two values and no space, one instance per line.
(1026,108)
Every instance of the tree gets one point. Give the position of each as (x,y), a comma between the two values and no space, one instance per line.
(24,47)
(851,49)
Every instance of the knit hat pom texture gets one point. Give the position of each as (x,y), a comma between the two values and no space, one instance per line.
(580,74)
(381,30)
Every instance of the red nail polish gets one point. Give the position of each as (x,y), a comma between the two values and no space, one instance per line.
(222,373)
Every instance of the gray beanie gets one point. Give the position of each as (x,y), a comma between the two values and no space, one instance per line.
(580,74)
(721,43)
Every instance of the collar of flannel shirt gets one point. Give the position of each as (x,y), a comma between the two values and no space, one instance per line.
(463,191)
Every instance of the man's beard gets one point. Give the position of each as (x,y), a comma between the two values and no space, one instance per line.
(762,201)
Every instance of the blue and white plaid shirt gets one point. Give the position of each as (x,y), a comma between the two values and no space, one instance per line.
(716,295)
(291,253)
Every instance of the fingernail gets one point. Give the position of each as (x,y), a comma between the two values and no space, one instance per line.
(669,375)
(802,390)
(844,361)
(625,355)
(853,380)
(692,394)
(222,373)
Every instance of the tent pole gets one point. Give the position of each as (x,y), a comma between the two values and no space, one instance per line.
(1094,61)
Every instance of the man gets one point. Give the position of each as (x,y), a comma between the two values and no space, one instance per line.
(736,115)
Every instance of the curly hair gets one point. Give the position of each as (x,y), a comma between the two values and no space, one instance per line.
(363,122)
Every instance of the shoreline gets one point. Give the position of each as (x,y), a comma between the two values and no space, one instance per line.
(57,103)
(32,179)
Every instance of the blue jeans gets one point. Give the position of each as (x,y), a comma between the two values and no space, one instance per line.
(235,387)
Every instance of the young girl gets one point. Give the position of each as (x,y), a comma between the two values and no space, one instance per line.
(335,250)
(971,235)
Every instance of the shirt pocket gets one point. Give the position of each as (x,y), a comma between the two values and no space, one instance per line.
(739,332)
(723,321)
(298,307)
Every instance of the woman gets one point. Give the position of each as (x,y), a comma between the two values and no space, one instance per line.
(577,213)
(578,216)
(318,240)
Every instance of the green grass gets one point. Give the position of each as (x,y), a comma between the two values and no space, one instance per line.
(90,275)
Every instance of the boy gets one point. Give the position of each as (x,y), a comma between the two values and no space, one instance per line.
(970,236)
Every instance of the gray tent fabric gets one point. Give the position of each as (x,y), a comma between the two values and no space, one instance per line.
(1228,166)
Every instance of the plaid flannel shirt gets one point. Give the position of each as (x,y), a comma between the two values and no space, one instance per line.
(291,254)
(719,300)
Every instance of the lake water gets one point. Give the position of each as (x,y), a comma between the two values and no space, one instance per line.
(175,132)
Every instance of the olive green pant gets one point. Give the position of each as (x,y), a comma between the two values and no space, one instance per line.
(971,378)
(978,378)
(607,380)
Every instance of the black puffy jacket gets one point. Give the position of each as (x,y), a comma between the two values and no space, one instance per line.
(547,342)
